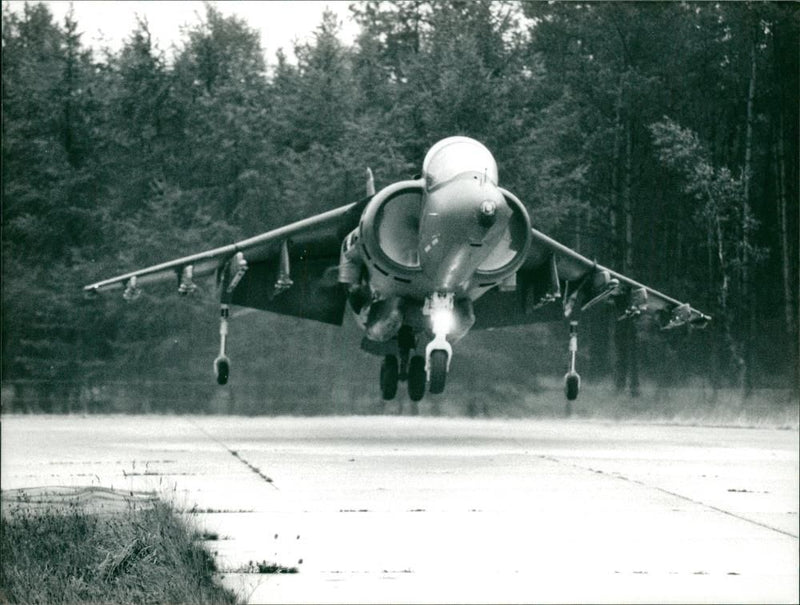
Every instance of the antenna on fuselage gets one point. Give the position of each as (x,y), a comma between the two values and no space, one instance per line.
(370,183)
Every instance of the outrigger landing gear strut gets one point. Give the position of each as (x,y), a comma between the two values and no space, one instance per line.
(572,380)
(222,365)
(230,276)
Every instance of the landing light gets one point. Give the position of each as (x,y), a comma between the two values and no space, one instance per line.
(442,321)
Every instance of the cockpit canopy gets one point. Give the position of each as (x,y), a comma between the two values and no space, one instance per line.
(454,156)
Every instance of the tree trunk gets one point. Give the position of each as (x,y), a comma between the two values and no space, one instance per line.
(633,366)
(627,370)
(748,302)
(627,255)
(621,352)
(615,171)
(786,261)
(716,360)
(627,258)
(724,292)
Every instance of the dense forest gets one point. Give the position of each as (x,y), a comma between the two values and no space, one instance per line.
(659,138)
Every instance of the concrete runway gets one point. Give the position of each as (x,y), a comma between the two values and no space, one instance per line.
(391,509)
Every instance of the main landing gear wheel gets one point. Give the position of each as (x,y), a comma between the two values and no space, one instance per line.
(416,378)
(406,341)
(222,368)
(438,371)
(390,373)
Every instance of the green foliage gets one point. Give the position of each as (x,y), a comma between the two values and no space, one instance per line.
(69,555)
(724,212)
(138,156)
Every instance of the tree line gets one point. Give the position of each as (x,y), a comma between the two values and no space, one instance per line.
(659,138)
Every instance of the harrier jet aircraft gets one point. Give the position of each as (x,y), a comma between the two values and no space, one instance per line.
(419,264)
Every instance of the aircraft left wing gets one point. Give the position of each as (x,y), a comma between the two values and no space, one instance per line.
(554,272)
(304,254)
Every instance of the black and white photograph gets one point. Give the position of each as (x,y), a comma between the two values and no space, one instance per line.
(400,301)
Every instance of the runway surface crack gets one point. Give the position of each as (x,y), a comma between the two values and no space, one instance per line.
(257,471)
(670,493)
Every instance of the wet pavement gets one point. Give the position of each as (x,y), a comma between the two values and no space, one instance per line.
(399,509)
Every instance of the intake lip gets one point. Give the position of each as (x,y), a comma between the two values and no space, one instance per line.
(512,250)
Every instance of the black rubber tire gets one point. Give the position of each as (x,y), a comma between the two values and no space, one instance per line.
(223,371)
(406,338)
(438,371)
(572,385)
(389,376)
(416,378)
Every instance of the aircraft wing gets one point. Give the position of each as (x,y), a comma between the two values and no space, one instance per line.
(311,247)
(554,273)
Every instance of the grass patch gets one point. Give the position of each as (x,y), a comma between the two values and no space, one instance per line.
(267,568)
(70,553)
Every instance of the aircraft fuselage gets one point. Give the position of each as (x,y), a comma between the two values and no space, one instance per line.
(452,233)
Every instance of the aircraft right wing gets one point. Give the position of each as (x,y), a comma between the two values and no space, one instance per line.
(553,271)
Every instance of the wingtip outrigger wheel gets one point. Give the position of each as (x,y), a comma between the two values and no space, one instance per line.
(572,385)
(572,380)
(222,365)
(222,369)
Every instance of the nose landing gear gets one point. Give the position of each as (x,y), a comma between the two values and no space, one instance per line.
(438,361)
(438,353)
